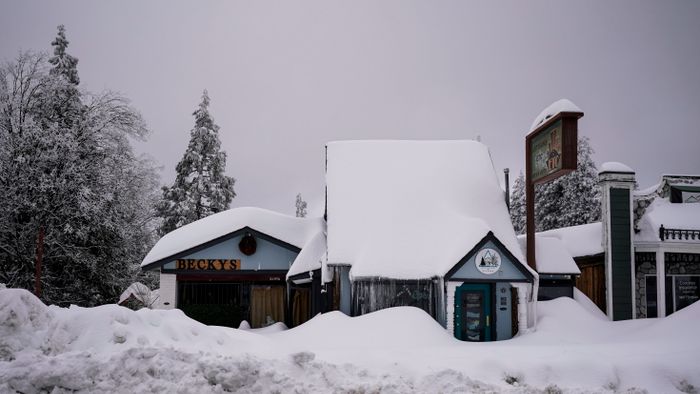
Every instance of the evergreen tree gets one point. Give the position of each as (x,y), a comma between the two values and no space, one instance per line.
(517,204)
(569,200)
(201,188)
(64,64)
(301,207)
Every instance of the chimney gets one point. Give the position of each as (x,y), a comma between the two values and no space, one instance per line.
(505,173)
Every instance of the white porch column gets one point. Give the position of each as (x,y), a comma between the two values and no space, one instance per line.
(522,307)
(168,291)
(660,283)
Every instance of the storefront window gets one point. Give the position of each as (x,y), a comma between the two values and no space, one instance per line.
(681,291)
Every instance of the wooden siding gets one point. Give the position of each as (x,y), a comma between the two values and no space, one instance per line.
(591,282)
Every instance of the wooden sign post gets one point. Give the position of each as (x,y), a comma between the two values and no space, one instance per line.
(550,152)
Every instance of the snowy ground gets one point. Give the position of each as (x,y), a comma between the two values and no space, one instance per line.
(400,350)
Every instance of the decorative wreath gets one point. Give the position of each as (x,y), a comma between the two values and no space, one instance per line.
(248,245)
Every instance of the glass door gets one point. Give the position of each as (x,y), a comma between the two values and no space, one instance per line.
(473,319)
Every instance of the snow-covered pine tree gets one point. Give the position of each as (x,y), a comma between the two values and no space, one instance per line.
(201,188)
(301,206)
(63,63)
(517,204)
(569,200)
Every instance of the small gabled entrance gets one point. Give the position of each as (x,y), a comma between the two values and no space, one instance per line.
(473,317)
(480,305)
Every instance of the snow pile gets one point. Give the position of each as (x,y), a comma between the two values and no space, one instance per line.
(22,317)
(295,231)
(563,105)
(411,209)
(589,305)
(398,350)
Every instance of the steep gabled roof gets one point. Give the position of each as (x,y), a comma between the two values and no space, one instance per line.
(411,209)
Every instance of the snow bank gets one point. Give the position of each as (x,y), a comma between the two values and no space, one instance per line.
(588,305)
(398,350)
(563,105)
(27,324)
(411,209)
(295,231)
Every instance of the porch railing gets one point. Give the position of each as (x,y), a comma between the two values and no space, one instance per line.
(678,234)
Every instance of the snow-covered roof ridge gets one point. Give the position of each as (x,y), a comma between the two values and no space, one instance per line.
(552,255)
(292,230)
(614,166)
(562,105)
(412,209)
(579,241)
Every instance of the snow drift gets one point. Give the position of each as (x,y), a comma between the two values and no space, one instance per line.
(399,350)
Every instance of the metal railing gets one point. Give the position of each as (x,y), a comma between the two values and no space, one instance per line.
(678,234)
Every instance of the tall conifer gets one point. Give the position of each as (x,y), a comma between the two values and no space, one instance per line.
(569,200)
(201,188)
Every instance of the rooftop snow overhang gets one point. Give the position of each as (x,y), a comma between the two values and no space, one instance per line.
(257,234)
(289,232)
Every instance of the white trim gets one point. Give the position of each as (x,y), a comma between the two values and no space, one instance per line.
(660,283)
(633,273)
(608,253)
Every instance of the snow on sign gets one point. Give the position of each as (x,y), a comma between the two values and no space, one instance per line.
(551,147)
(488,261)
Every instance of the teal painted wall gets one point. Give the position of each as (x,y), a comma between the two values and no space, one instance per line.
(504,327)
(267,256)
(621,255)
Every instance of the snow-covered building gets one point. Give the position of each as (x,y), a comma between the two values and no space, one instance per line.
(643,259)
(242,264)
(407,223)
(425,224)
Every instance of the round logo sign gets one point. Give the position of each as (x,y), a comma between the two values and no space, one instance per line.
(488,261)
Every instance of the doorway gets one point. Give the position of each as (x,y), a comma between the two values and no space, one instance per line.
(473,316)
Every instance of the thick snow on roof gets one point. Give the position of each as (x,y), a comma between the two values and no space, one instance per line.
(662,211)
(556,107)
(311,256)
(411,209)
(581,240)
(551,255)
(292,230)
(614,166)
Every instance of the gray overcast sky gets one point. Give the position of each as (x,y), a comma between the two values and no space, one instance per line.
(286,77)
